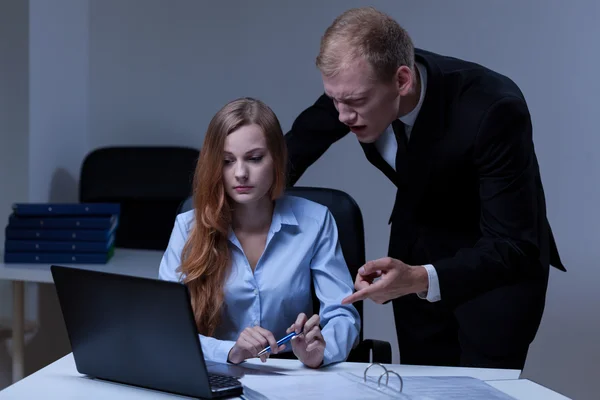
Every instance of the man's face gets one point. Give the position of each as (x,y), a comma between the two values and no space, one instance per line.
(367,105)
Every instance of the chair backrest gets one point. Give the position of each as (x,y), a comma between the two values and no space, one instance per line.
(186,205)
(149,182)
(349,221)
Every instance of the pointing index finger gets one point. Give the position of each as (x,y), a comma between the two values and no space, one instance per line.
(358,296)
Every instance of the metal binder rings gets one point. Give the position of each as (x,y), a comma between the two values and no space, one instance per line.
(387,376)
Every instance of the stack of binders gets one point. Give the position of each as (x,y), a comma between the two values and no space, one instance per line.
(67,233)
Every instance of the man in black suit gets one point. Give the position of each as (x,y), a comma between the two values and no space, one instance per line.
(470,244)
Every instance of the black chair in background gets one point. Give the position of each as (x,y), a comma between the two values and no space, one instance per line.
(349,221)
(149,182)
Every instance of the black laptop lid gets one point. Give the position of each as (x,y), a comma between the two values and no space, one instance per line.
(132,330)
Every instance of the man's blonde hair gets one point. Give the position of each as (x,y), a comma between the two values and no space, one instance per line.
(370,34)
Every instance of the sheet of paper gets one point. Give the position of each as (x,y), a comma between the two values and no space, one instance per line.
(298,387)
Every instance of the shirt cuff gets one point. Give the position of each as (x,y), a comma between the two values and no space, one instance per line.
(433,293)
(216,350)
(223,350)
(327,357)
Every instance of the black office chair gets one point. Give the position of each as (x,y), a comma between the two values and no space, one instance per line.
(149,182)
(348,218)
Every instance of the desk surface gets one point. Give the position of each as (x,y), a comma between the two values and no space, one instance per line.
(143,263)
(61,380)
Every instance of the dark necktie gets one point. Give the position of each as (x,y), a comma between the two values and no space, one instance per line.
(401,139)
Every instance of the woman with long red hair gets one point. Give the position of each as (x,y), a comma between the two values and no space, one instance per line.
(248,253)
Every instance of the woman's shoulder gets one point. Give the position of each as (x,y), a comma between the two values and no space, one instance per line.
(305,209)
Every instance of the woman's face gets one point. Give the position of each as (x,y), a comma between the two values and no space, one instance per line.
(248,166)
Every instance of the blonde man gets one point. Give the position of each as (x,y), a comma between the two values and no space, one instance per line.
(470,244)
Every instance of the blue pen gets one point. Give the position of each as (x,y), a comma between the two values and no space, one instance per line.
(281,341)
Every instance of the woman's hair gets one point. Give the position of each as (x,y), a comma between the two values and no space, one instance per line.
(205,256)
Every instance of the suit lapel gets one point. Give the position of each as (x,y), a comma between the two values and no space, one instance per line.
(428,129)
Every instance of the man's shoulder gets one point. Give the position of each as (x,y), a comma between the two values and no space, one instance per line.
(471,91)
(468,80)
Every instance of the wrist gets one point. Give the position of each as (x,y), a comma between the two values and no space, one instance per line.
(420,279)
(315,364)
(233,356)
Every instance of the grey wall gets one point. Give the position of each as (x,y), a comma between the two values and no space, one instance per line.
(58,47)
(158,70)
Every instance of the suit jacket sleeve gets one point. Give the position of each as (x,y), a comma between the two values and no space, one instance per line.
(313,131)
(509,248)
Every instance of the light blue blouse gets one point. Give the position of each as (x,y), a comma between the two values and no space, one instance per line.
(302,246)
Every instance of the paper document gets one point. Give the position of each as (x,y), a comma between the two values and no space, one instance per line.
(303,387)
(344,386)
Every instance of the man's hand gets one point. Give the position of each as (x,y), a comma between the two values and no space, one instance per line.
(396,279)
(309,346)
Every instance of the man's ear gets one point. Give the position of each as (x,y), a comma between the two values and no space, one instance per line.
(403,80)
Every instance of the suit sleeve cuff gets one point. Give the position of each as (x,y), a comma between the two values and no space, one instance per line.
(433,293)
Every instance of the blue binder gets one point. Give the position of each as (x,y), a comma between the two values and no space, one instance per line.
(68,233)
(58,258)
(59,235)
(49,209)
(41,246)
(61,222)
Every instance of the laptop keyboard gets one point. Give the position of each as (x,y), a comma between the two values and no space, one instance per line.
(220,382)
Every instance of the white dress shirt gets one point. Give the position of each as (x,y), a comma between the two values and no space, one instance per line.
(388,147)
(302,248)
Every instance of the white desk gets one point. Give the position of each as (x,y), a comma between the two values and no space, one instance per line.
(142,263)
(62,381)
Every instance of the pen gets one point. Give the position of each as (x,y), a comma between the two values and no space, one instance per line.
(281,341)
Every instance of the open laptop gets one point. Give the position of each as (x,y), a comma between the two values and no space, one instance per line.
(136,331)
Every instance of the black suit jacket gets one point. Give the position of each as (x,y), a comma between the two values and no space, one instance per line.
(470,199)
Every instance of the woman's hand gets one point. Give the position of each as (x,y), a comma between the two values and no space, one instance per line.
(250,342)
(309,346)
